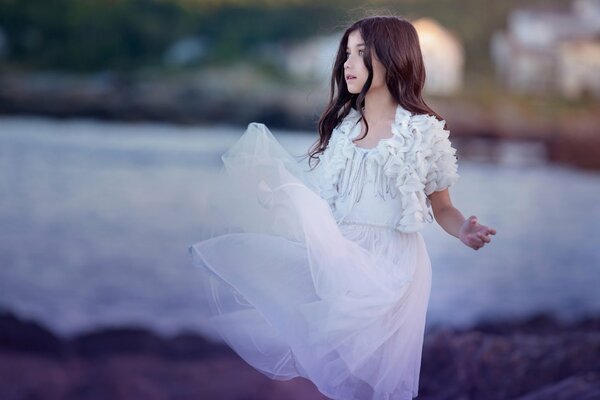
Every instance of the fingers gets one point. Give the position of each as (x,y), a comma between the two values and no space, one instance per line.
(473,222)
(483,237)
(478,240)
(474,241)
(479,235)
(490,231)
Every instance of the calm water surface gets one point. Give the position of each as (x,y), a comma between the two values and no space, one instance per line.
(96,219)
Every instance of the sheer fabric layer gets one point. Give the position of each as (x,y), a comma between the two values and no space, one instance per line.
(296,294)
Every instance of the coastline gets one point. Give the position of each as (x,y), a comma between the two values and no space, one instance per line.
(237,96)
(534,358)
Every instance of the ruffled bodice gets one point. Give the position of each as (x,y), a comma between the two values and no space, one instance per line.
(388,185)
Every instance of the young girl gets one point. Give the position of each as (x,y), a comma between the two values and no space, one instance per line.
(323,273)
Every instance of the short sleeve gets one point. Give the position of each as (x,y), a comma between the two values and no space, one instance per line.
(442,163)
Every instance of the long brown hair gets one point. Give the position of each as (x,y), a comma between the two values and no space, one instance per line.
(396,44)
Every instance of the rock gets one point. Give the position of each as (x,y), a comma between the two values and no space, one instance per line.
(29,337)
(585,386)
(530,359)
(507,359)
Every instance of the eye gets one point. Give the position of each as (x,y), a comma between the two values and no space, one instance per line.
(360,52)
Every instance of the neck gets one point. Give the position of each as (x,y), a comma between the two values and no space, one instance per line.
(379,105)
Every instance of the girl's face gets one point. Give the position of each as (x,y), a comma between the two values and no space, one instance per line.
(355,71)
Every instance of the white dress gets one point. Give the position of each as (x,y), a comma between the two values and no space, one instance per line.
(324,274)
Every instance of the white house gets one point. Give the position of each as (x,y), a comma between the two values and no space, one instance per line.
(187,50)
(312,60)
(578,68)
(443,55)
(541,46)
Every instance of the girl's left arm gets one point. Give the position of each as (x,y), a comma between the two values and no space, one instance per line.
(468,231)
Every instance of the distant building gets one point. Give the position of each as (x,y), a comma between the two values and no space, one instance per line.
(186,51)
(578,69)
(312,60)
(443,54)
(540,46)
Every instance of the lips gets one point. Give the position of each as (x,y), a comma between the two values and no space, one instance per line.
(349,77)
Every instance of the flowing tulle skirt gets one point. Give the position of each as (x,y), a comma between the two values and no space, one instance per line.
(295,294)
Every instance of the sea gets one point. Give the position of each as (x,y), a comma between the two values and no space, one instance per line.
(96,218)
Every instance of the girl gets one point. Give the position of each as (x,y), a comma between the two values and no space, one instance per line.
(323,273)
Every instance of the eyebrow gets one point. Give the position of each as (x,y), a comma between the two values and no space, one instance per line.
(358,45)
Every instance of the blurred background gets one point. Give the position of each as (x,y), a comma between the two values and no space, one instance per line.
(113,118)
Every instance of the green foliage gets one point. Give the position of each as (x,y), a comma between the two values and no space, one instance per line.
(90,34)
(86,35)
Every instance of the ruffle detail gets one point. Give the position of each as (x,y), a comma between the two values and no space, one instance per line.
(403,164)
(426,163)
(441,156)
(419,159)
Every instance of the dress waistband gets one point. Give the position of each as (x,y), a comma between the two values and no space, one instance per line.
(383,226)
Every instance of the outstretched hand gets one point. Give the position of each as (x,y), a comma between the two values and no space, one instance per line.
(474,234)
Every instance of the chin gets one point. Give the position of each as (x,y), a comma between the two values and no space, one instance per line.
(353,90)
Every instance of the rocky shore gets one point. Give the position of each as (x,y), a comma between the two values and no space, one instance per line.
(531,359)
(240,94)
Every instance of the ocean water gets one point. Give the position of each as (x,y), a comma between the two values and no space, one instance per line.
(96,218)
